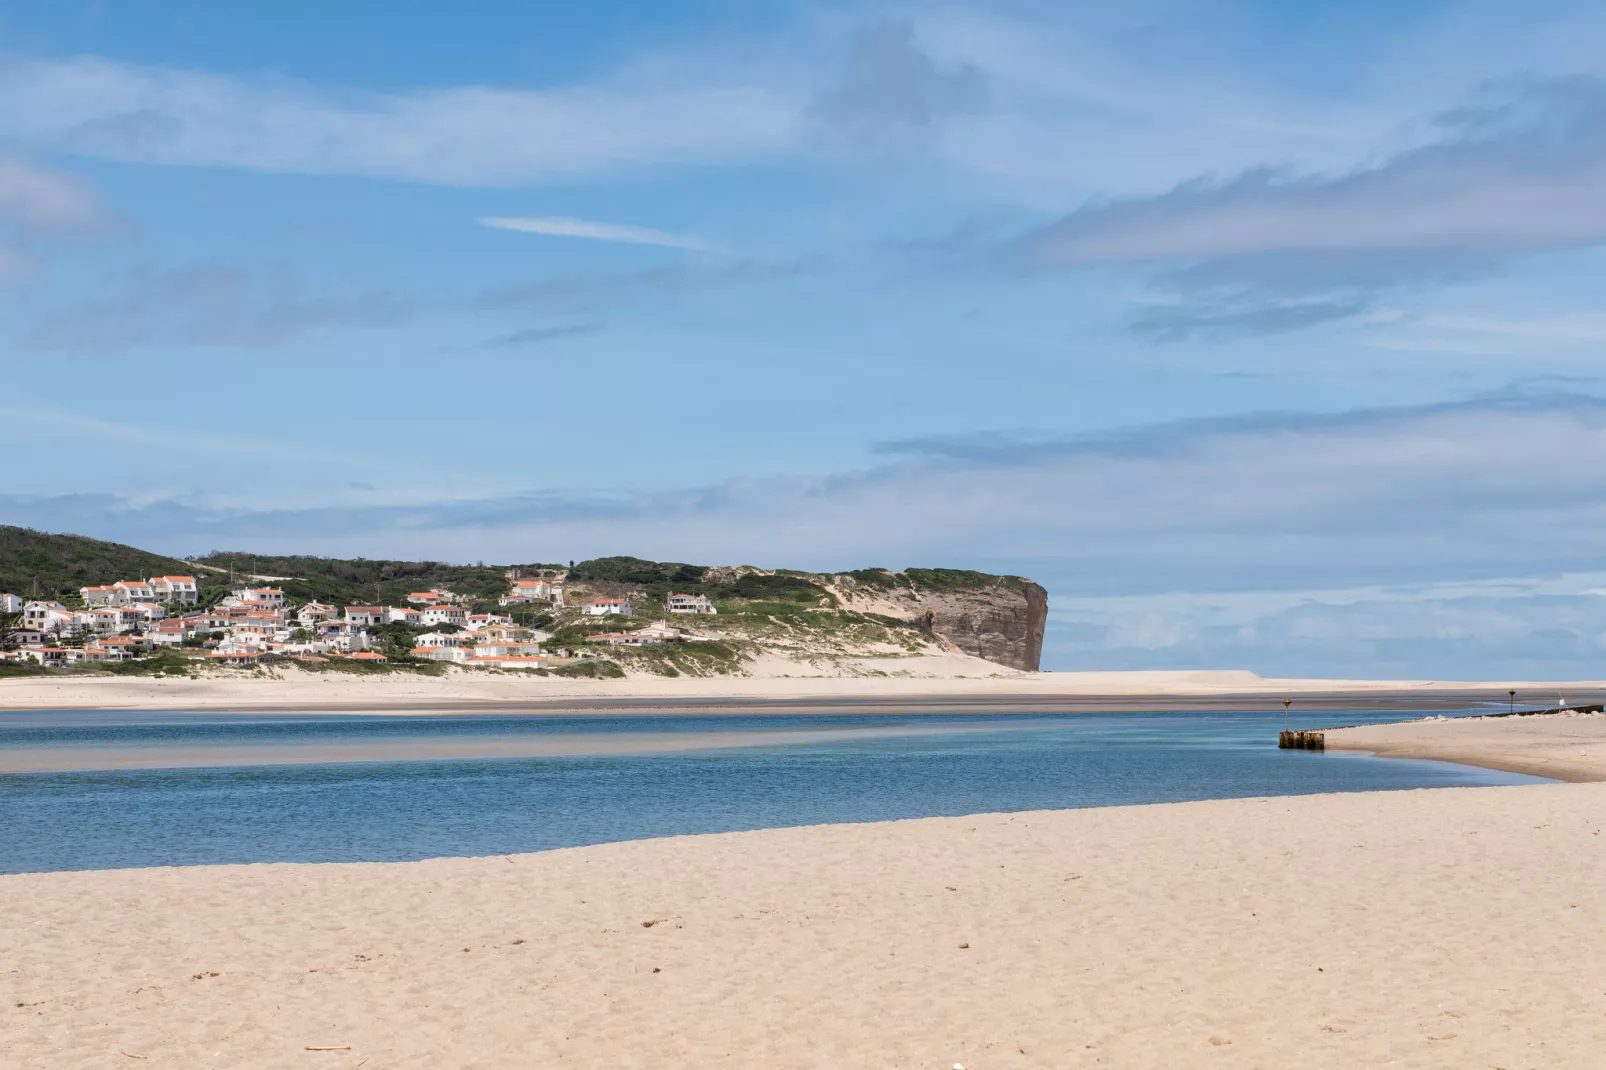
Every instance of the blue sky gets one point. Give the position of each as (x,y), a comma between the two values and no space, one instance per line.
(1265,335)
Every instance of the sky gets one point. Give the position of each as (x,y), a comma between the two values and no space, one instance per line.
(1264,334)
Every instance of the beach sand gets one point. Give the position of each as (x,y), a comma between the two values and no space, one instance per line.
(1561,746)
(1447,928)
(937,678)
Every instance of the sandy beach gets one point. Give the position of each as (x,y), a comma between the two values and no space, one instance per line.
(1416,929)
(1427,928)
(1560,746)
(935,681)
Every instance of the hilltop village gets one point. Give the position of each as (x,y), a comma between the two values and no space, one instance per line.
(138,619)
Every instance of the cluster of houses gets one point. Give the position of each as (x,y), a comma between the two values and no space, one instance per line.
(132,618)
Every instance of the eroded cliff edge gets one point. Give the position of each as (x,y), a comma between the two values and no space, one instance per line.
(999,618)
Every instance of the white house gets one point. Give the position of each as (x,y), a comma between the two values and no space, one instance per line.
(443,614)
(437,640)
(607,607)
(171,589)
(145,612)
(456,654)
(624,639)
(365,616)
(403,615)
(10,603)
(133,591)
(107,595)
(48,617)
(313,612)
(507,649)
(523,592)
(51,657)
(102,620)
(659,629)
(266,597)
(169,633)
(691,603)
(511,661)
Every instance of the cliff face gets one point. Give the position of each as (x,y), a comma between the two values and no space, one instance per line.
(1003,624)
(999,618)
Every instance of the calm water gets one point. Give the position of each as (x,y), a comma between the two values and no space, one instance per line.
(395,811)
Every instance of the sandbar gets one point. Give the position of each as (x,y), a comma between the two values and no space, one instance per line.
(1561,746)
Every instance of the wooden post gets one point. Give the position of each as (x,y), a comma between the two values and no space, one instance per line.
(1302,740)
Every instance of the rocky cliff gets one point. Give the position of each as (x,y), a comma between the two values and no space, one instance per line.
(999,618)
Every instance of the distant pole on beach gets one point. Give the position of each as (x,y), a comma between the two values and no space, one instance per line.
(1511,704)
(1286,703)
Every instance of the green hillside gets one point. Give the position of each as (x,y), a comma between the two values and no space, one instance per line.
(57,565)
(365,582)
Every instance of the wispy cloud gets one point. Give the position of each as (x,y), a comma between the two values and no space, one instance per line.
(1518,171)
(463,135)
(205,305)
(560,227)
(531,336)
(36,203)
(41,199)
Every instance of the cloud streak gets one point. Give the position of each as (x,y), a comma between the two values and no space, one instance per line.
(1518,172)
(462,135)
(533,336)
(561,227)
(205,305)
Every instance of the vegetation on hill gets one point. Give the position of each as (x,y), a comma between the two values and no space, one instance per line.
(57,565)
(364,582)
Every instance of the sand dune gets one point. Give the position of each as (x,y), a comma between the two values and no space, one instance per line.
(1450,928)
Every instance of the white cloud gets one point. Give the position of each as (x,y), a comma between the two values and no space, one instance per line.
(560,227)
(465,135)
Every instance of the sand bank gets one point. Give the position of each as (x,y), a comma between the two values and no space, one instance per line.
(478,691)
(1559,746)
(1441,928)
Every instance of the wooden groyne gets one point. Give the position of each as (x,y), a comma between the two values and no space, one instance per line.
(1302,740)
(1553,709)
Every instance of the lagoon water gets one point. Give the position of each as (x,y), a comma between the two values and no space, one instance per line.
(648,776)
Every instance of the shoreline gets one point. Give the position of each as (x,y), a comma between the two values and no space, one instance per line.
(1424,928)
